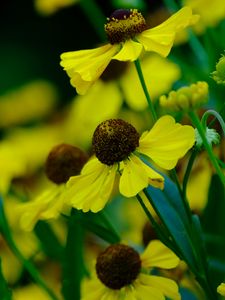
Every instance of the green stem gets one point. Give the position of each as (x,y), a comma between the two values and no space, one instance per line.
(145,89)
(207,146)
(184,199)
(188,171)
(26,263)
(216,115)
(163,236)
(95,16)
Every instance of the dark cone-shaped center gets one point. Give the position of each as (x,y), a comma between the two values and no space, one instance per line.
(63,162)
(124,24)
(118,266)
(114,140)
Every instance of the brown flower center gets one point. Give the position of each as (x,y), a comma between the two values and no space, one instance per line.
(114,140)
(124,24)
(63,162)
(118,266)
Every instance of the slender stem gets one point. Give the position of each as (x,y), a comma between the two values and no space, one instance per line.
(188,170)
(26,263)
(145,89)
(164,236)
(208,147)
(95,16)
(216,115)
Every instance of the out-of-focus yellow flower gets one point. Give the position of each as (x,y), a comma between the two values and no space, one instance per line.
(30,102)
(62,162)
(219,74)
(12,165)
(24,151)
(30,291)
(117,148)
(198,184)
(27,243)
(129,38)
(210,12)
(221,289)
(159,73)
(122,273)
(103,101)
(48,7)
(187,97)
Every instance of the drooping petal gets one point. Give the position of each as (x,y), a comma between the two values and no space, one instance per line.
(136,176)
(157,254)
(167,286)
(47,205)
(144,291)
(167,142)
(92,189)
(84,67)
(160,38)
(130,51)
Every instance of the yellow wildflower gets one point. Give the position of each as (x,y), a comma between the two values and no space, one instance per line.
(128,38)
(117,148)
(122,273)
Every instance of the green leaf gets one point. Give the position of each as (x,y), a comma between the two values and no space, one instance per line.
(73,262)
(5,292)
(99,224)
(49,241)
(168,205)
(213,218)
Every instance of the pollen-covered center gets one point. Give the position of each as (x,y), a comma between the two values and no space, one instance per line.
(124,24)
(118,266)
(114,140)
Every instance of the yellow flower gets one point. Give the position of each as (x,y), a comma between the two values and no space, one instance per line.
(38,97)
(122,273)
(129,38)
(49,7)
(62,162)
(187,97)
(211,12)
(221,289)
(117,148)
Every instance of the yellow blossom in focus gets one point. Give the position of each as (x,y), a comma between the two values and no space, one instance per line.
(118,155)
(27,103)
(187,97)
(143,284)
(129,38)
(48,7)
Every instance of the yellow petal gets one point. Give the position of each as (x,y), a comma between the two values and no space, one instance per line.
(157,254)
(160,38)
(146,292)
(47,205)
(167,142)
(168,287)
(92,189)
(84,67)
(136,176)
(130,51)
